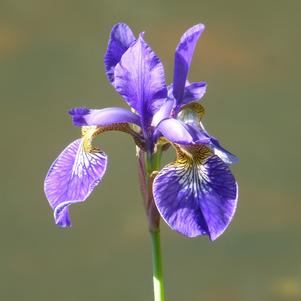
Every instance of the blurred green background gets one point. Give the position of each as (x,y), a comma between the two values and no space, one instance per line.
(51,59)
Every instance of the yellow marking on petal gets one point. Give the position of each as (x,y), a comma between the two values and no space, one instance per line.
(162,141)
(90,132)
(192,154)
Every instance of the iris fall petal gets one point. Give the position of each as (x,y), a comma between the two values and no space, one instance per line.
(72,177)
(197,194)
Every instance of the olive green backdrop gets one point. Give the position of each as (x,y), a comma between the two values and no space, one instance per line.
(51,59)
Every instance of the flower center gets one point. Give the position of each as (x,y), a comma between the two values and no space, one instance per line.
(192,114)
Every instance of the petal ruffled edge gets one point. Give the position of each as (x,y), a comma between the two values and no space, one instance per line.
(72,177)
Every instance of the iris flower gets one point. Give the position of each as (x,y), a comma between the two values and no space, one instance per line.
(197,193)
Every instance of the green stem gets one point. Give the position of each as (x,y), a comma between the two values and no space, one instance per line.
(153,164)
(158,279)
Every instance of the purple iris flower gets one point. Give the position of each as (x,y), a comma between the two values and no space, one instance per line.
(197,193)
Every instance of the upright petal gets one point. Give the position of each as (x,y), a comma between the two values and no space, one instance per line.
(72,177)
(183,57)
(193,92)
(139,78)
(121,38)
(197,194)
(103,117)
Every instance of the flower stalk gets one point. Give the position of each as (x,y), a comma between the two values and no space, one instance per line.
(152,166)
(158,278)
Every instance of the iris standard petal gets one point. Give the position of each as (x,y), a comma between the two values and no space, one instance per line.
(175,131)
(121,38)
(197,194)
(183,57)
(139,78)
(103,117)
(193,92)
(72,177)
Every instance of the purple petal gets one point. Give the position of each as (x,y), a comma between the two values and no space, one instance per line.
(139,78)
(198,136)
(183,57)
(121,38)
(164,112)
(222,153)
(194,91)
(175,131)
(196,198)
(71,179)
(104,117)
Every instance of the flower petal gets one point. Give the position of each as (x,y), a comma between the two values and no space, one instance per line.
(183,57)
(197,194)
(164,112)
(139,78)
(193,92)
(104,117)
(121,38)
(222,153)
(198,136)
(72,177)
(175,131)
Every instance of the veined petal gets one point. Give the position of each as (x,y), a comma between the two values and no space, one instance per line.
(139,78)
(197,194)
(121,38)
(104,117)
(72,177)
(183,57)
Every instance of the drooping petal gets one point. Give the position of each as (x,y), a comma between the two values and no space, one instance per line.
(183,57)
(103,117)
(197,194)
(72,177)
(139,78)
(121,38)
